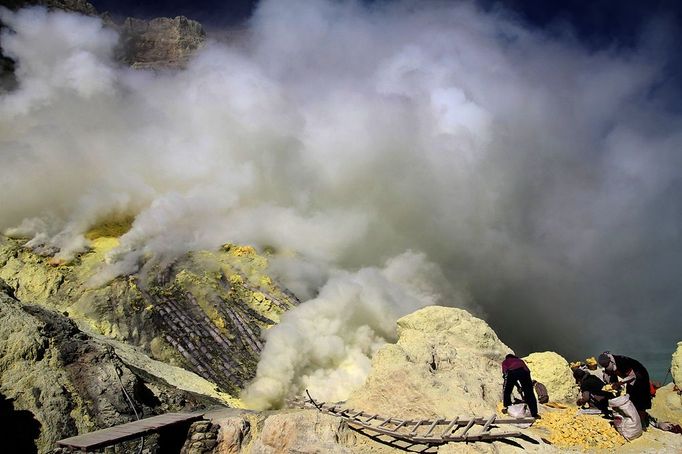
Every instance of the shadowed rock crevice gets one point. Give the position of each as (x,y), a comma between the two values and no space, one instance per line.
(19,429)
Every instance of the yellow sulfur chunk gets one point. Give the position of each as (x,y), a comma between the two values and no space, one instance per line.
(571,430)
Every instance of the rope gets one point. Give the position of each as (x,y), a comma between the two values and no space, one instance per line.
(130,401)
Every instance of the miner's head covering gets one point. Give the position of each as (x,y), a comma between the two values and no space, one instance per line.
(579,373)
(607,361)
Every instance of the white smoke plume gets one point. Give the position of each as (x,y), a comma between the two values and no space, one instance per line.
(539,177)
(326,344)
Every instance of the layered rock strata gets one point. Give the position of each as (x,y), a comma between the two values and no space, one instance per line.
(160,43)
(203,312)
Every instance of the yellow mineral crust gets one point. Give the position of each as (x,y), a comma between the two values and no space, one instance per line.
(239,251)
(111,228)
(569,429)
(591,362)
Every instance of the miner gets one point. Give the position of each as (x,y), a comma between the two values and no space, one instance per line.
(622,370)
(592,391)
(515,372)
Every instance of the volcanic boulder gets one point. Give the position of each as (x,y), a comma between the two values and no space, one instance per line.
(446,363)
(552,370)
(676,366)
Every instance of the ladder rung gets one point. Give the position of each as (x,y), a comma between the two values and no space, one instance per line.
(433,426)
(404,423)
(488,423)
(416,426)
(448,429)
(468,426)
(385,422)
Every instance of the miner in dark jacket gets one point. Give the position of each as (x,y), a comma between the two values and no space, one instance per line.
(592,391)
(622,370)
(515,371)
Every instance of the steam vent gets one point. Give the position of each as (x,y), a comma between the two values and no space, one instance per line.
(329,226)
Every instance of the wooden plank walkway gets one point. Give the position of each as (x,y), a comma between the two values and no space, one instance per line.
(128,431)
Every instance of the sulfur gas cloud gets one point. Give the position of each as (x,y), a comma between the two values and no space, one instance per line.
(406,153)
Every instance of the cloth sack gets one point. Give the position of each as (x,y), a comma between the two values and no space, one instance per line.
(625,417)
(518,411)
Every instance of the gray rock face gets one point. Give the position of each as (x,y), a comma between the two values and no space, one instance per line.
(7,80)
(159,43)
(76,6)
(60,382)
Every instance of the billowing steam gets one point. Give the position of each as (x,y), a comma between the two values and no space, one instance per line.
(540,178)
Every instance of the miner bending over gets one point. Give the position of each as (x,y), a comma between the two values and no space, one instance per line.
(622,370)
(515,371)
(591,391)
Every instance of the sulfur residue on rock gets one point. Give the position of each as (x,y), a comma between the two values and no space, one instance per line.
(676,366)
(552,370)
(204,312)
(446,363)
(667,405)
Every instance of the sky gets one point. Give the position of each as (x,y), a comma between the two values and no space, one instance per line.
(522,163)
(596,24)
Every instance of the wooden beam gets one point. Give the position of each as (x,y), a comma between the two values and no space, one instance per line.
(128,431)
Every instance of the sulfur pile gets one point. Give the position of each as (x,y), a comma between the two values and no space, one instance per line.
(553,371)
(567,429)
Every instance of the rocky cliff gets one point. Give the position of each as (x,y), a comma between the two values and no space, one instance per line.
(160,43)
(203,312)
(56,381)
(446,363)
(72,355)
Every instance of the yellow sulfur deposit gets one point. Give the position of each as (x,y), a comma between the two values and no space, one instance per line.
(239,251)
(110,228)
(591,362)
(569,429)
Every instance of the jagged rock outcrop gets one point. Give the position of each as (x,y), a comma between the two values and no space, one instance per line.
(446,363)
(552,370)
(667,405)
(203,312)
(676,366)
(7,80)
(159,43)
(75,6)
(59,382)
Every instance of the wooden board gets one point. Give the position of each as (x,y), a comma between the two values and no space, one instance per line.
(128,431)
